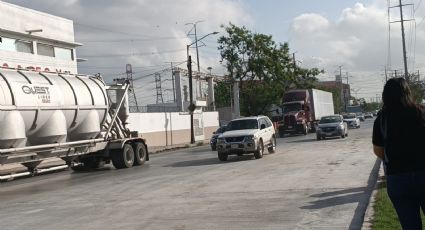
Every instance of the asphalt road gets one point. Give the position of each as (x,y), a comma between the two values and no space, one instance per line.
(306,184)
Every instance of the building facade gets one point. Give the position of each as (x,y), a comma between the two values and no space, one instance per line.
(36,41)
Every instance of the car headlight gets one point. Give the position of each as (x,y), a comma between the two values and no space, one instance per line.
(220,140)
(249,138)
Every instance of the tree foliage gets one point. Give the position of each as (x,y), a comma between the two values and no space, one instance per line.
(222,91)
(263,68)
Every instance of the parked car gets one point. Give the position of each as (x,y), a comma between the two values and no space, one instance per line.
(352,120)
(368,115)
(247,135)
(360,115)
(213,140)
(331,126)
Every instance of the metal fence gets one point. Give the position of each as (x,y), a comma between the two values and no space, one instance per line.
(162,109)
(153,109)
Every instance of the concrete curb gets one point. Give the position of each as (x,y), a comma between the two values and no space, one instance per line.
(370,212)
(52,162)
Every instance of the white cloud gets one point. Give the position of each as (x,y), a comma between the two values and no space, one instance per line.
(357,40)
(310,23)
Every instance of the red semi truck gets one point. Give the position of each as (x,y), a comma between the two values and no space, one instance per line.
(302,108)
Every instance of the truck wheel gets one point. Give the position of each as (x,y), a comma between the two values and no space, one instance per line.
(260,150)
(222,156)
(305,131)
(318,137)
(122,158)
(139,153)
(272,148)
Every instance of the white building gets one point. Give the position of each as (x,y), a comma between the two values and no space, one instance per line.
(37,41)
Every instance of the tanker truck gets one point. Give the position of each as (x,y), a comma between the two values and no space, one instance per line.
(77,118)
(302,108)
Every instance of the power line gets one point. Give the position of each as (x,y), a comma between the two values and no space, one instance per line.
(111,31)
(133,54)
(132,40)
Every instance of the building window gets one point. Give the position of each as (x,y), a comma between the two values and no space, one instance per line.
(64,54)
(10,44)
(45,50)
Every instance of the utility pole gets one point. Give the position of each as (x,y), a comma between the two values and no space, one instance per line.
(191,106)
(346,94)
(386,75)
(196,42)
(406,73)
(339,80)
(172,79)
(402,20)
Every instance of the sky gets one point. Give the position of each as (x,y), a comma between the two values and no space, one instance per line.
(152,34)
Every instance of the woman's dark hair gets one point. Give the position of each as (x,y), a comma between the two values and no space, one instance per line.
(398,99)
(397,95)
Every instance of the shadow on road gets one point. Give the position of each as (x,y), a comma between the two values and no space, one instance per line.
(303,141)
(209,161)
(360,195)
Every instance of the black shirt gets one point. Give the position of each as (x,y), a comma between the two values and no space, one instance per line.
(403,137)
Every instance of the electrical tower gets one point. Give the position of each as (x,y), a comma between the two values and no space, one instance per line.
(132,101)
(159,98)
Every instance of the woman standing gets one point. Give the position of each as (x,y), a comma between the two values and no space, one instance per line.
(399,140)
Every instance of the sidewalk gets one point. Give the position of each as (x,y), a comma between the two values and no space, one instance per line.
(368,218)
(51,162)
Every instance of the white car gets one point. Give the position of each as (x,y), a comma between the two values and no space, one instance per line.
(247,135)
(352,120)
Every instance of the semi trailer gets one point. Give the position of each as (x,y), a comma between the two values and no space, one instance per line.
(302,108)
(77,118)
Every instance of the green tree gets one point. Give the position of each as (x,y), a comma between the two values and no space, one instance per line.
(263,68)
(418,91)
(222,91)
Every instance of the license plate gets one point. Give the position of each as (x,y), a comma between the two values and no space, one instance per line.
(235,146)
(289,127)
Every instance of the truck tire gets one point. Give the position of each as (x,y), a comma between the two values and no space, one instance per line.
(122,158)
(140,153)
(272,148)
(222,156)
(260,150)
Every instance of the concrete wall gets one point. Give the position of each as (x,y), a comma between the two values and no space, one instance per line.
(163,129)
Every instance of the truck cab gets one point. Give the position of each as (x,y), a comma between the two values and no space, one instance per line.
(295,113)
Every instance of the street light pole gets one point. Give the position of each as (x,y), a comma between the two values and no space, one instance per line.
(189,69)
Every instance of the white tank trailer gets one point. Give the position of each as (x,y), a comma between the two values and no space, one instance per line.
(75,117)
